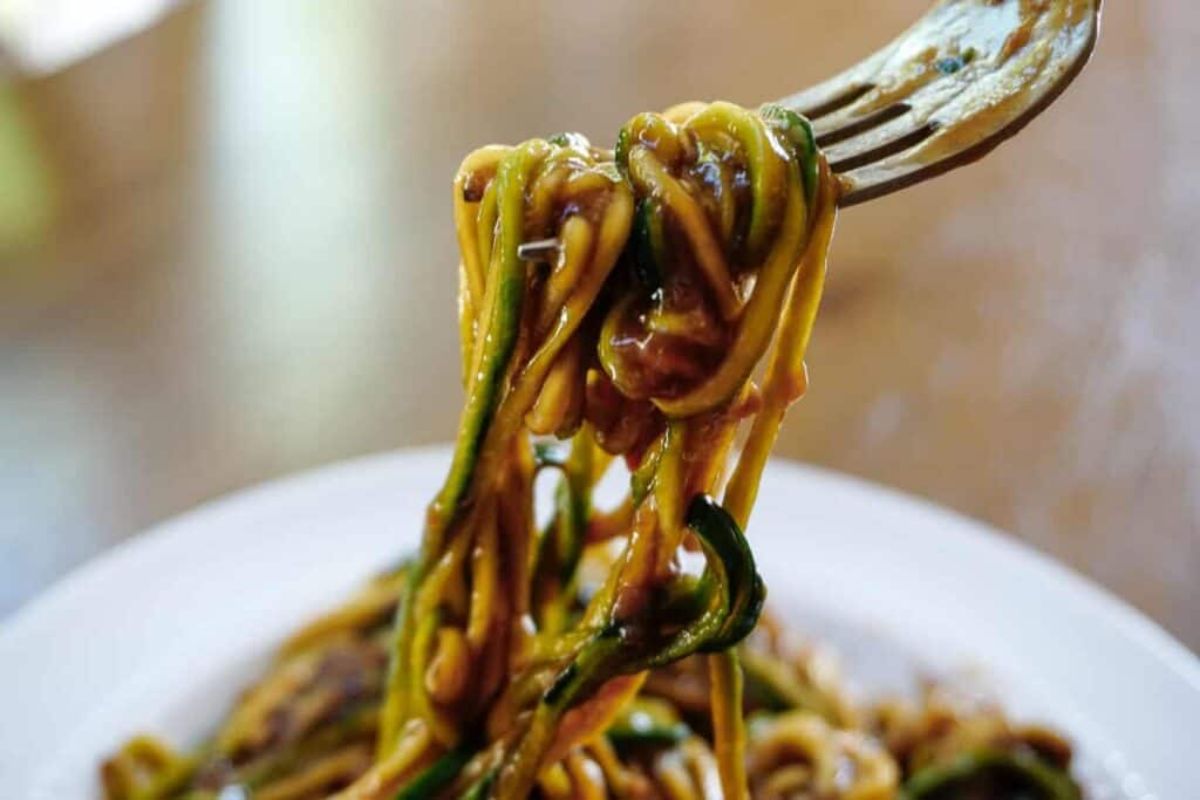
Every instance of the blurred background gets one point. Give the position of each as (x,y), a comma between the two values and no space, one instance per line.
(226,254)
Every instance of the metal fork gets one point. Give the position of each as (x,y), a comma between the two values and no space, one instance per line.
(968,75)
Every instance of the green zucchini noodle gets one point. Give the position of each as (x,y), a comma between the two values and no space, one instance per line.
(620,652)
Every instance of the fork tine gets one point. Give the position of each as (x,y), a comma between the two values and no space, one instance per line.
(878,146)
(834,103)
(843,129)
(853,142)
(841,91)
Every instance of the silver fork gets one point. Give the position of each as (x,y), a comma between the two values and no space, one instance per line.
(968,75)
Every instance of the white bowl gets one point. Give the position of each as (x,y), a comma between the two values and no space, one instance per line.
(159,633)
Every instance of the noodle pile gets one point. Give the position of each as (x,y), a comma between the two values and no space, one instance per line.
(586,656)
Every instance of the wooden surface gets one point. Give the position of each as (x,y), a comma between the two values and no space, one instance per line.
(226,255)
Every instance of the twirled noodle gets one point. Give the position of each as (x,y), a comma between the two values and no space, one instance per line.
(684,258)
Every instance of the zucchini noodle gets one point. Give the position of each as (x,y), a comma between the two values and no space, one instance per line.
(590,655)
